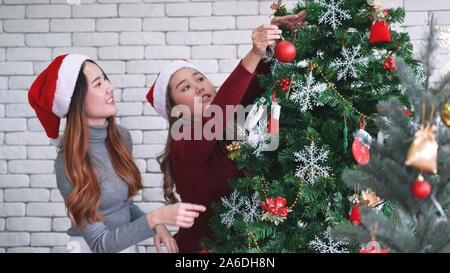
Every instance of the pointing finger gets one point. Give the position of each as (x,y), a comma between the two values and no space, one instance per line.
(195,207)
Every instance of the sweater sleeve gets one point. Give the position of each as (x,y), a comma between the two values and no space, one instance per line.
(135,211)
(255,89)
(99,238)
(194,152)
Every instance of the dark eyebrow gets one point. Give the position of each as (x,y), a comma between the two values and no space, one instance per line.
(195,73)
(104,75)
(95,79)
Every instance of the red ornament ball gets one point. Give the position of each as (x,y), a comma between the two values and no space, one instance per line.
(421,188)
(285,51)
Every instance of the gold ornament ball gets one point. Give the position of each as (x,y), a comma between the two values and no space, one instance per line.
(445,114)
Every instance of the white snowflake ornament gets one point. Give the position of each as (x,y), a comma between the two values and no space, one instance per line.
(329,245)
(252,211)
(240,205)
(306,93)
(334,14)
(233,203)
(310,160)
(347,65)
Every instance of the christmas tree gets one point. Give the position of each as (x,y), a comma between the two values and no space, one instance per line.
(410,167)
(344,64)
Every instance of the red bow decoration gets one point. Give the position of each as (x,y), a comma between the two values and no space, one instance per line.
(276,206)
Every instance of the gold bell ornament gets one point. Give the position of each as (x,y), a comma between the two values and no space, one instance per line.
(445,114)
(422,153)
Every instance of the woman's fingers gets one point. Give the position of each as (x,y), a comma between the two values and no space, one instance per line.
(169,246)
(269,27)
(185,222)
(301,15)
(157,242)
(266,36)
(302,24)
(180,213)
(276,21)
(176,246)
(272,37)
(173,246)
(194,207)
(191,214)
(291,22)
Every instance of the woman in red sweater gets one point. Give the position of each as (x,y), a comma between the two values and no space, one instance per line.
(199,167)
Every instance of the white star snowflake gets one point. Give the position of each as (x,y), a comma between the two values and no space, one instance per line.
(306,94)
(233,203)
(329,245)
(249,208)
(252,209)
(334,15)
(310,159)
(348,65)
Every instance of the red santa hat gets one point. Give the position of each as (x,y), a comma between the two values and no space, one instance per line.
(51,93)
(156,96)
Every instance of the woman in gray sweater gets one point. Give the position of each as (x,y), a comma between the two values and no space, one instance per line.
(94,169)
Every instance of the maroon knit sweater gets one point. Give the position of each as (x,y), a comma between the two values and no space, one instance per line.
(200,168)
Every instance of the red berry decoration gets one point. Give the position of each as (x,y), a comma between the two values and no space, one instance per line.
(285,51)
(284,84)
(420,188)
(408,112)
(389,64)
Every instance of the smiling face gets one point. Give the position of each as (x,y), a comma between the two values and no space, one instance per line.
(189,86)
(99,101)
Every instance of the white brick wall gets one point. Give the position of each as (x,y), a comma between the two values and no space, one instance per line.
(131,40)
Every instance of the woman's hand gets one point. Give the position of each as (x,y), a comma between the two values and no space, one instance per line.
(164,236)
(291,22)
(180,214)
(264,36)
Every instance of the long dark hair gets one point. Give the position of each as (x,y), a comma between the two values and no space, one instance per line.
(164,158)
(83,201)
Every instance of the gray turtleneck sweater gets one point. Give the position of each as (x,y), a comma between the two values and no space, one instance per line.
(125,224)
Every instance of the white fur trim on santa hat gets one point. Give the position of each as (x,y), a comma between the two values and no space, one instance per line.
(159,94)
(56,141)
(65,85)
